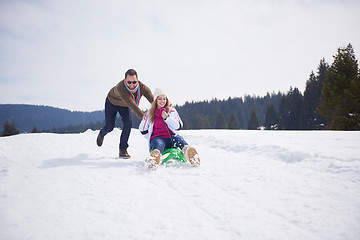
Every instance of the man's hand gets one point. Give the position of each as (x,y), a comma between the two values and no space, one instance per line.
(144,116)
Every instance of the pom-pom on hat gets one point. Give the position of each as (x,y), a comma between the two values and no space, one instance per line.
(158,92)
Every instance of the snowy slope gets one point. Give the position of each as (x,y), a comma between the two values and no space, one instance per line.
(250,185)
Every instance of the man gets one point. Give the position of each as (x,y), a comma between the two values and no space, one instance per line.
(120,99)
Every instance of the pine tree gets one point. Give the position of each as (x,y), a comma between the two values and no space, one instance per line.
(186,124)
(198,122)
(312,120)
(35,130)
(9,129)
(253,121)
(290,112)
(341,92)
(220,121)
(207,124)
(233,122)
(311,101)
(283,113)
(323,68)
(270,118)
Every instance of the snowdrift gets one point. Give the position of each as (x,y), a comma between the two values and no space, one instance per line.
(250,185)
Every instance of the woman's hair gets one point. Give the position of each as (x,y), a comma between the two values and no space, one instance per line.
(154,106)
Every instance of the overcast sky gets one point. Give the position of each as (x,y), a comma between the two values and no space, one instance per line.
(68,53)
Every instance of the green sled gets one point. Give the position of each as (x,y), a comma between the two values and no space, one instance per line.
(173,154)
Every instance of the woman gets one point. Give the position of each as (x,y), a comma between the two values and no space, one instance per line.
(160,127)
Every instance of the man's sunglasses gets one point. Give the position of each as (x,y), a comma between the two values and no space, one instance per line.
(131,82)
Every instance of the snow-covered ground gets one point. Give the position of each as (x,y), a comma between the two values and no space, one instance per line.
(250,185)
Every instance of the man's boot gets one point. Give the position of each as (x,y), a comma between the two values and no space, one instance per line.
(100,139)
(124,154)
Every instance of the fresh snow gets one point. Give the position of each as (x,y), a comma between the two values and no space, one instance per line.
(250,185)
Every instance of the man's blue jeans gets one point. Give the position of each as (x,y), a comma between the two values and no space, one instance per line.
(161,143)
(110,116)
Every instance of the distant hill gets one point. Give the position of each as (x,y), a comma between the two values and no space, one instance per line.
(45,117)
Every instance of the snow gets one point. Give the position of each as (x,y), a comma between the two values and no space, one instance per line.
(250,185)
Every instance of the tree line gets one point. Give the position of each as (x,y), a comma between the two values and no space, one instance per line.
(331,100)
(233,113)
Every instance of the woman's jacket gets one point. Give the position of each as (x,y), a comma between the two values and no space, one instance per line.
(173,121)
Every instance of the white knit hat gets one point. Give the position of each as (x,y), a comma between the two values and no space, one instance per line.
(158,92)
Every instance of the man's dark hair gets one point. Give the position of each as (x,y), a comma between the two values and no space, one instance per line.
(131,72)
